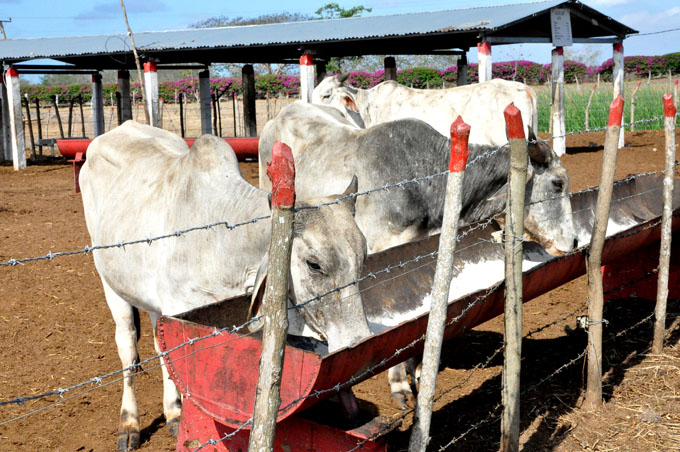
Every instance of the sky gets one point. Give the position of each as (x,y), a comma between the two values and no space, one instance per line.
(47,18)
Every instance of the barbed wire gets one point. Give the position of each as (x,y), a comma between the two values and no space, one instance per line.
(371,275)
(149,240)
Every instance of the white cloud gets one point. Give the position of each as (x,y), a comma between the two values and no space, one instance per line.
(109,10)
(648,22)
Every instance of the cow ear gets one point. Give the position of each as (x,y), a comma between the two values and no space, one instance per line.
(538,150)
(349,104)
(351,189)
(258,294)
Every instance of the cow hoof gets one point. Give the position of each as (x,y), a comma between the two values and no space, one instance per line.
(403,400)
(128,440)
(173,426)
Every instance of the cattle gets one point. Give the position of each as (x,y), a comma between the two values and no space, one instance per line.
(405,149)
(481,105)
(141,182)
(401,150)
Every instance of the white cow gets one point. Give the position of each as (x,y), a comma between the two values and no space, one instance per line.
(481,105)
(139,182)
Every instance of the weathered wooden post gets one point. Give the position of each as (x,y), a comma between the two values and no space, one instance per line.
(484,57)
(56,112)
(593,398)
(514,232)
(320,75)
(151,86)
(16,122)
(82,115)
(97,106)
(5,140)
(632,106)
(213,102)
(125,100)
(420,434)
(557,105)
(462,71)
(281,171)
(181,113)
(249,114)
(39,123)
(204,101)
(390,65)
(666,219)
(306,78)
(29,122)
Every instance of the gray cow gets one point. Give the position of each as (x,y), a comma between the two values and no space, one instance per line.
(335,151)
(140,182)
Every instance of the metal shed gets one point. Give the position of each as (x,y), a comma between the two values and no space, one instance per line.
(309,42)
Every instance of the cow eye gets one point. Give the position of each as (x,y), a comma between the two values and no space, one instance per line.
(314,267)
(326,96)
(558,184)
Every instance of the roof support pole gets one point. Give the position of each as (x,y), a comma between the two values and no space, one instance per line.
(97,104)
(484,56)
(462,69)
(390,68)
(306,78)
(617,77)
(4,123)
(204,101)
(557,102)
(320,71)
(249,118)
(125,100)
(151,85)
(16,123)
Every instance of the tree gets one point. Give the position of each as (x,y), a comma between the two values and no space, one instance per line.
(334,11)
(224,21)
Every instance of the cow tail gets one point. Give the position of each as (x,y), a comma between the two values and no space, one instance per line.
(138,324)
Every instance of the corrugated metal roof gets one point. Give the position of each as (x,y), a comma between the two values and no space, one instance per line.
(451,21)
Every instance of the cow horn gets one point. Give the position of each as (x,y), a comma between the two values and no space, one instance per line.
(342,77)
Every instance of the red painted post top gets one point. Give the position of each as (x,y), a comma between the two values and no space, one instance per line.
(558,51)
(514,127)
(281,171)
(676,82)
(460,133)
(484,48)
(306,60)
(669,107)
(11,72)
(616,111)
(150,66)
(618,47)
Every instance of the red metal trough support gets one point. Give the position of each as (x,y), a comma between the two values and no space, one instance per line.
(245,148)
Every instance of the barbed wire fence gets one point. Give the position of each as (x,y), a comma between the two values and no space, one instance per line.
(99,381)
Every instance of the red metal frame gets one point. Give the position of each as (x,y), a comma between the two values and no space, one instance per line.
(78,162)
(244,148)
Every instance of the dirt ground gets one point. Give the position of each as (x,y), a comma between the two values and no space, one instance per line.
(56,331)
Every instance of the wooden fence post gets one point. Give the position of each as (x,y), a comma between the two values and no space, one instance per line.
(181,113)
(666,218)
(460,132)
(281,171)
(514,231)
(593,398)
(56,111)
(39,123)
(29,122)
(590,99)
(632,106)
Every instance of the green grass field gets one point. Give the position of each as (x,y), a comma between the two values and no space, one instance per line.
(648,104)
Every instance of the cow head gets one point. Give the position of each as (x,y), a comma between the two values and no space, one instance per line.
(548,219)
(333,91)
(328,252)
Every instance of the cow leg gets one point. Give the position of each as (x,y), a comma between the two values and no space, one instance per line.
(413,368)
(400,389)
(172,401)
(126,341)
